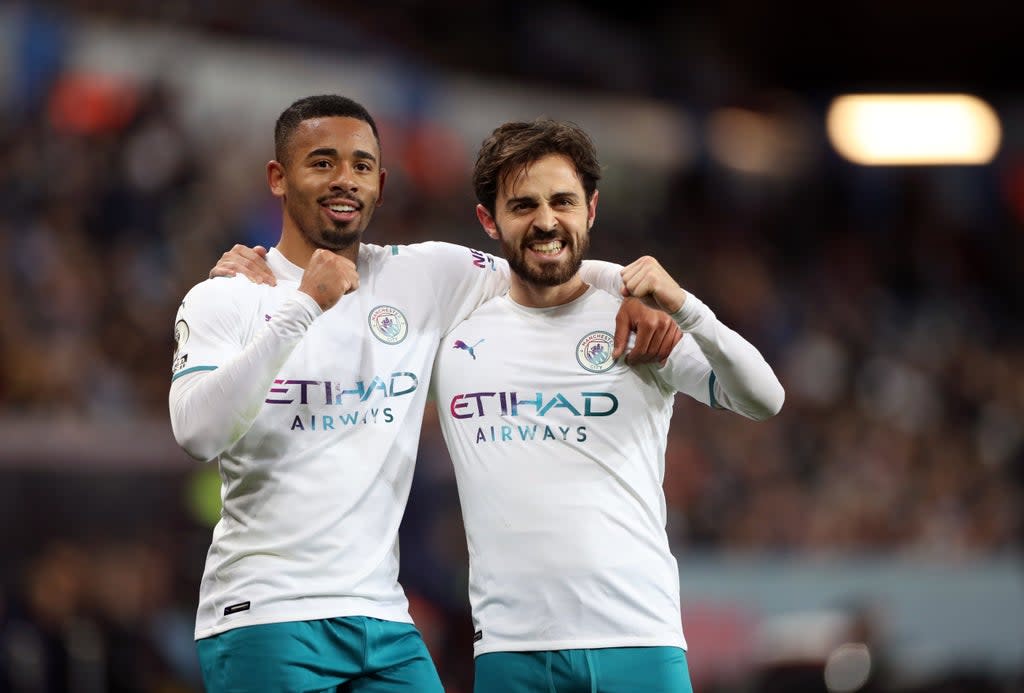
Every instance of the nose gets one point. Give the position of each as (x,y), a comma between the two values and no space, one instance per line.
(545,219)
(343,179)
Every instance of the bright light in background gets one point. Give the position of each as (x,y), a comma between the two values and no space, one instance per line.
(915,129)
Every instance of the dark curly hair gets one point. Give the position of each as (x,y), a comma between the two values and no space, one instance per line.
(512,147)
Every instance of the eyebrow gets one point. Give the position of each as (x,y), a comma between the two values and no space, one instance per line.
(512,201)
(332,152)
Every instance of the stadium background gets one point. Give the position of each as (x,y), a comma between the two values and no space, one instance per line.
(869,538)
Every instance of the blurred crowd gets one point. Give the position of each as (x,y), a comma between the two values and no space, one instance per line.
(885,301)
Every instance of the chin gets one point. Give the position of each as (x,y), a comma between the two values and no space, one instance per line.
(336,241)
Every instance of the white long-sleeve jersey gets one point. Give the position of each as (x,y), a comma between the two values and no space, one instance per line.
(559,456)
(314,420)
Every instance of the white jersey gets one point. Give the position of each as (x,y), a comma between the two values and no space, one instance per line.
(314,421)
(559,456)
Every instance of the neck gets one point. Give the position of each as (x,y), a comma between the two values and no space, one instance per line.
(535,296)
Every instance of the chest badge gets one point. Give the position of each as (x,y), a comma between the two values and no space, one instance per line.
(594,351)
(388,324)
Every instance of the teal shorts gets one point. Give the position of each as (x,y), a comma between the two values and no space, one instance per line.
(603,670)
(356,654)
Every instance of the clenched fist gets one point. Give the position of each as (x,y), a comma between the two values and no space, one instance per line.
(647,279)
(328,277)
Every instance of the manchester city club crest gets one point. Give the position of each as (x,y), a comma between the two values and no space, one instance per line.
(388,324)
(594,351)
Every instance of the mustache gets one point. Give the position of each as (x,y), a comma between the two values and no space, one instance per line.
(345,200)
(542,236)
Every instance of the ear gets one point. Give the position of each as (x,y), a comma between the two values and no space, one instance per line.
(380,188)
(275,178)
(592,209)
(487,221)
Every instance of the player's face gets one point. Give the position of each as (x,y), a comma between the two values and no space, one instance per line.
(331,181)
(543,220)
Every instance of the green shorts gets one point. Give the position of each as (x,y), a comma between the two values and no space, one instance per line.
(603,670)
(366,655)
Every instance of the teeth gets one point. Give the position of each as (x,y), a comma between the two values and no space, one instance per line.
(549,247)
(342,208)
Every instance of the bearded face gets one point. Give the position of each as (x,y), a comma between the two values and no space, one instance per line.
(331,182)
(542,220)
(545,258)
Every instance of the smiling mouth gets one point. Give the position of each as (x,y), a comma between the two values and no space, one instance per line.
(341,212)
(553,247)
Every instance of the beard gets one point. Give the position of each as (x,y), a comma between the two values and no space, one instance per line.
(547,274)
(335,239)
(330,236)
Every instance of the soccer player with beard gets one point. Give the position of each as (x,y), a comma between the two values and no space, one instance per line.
(310,394)
(559,448)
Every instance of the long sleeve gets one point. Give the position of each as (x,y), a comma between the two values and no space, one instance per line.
(736,376)
(606,276)
(212,405)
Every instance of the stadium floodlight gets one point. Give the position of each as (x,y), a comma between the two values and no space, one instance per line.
(913,129)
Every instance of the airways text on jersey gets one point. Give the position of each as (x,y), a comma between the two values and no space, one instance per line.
(507,405)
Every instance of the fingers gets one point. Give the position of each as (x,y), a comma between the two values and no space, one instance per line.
(646,278)
(641,351)
(328,277)
(223,268)
(656,335)
(254,264)
(247,261)
(634,275)
(623,327)
(669,339)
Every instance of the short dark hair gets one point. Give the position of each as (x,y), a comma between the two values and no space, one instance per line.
(513,146)
(320,106)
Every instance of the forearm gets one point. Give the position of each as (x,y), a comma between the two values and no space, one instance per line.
(212,409)
(742,379)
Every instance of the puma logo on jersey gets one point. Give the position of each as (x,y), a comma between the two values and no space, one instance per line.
(459,344)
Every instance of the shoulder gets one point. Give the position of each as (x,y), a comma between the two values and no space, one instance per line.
(498,306)
(217,287)
(494,310)
(442,260)
(436,250)
(221,293)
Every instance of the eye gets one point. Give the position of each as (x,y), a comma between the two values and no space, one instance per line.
(322,163)
(364,166)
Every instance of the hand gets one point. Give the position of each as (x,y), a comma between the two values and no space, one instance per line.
(328,277)
(656,332)
(251,262)
(647,279)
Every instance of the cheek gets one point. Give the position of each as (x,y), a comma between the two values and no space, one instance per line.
(506,230)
